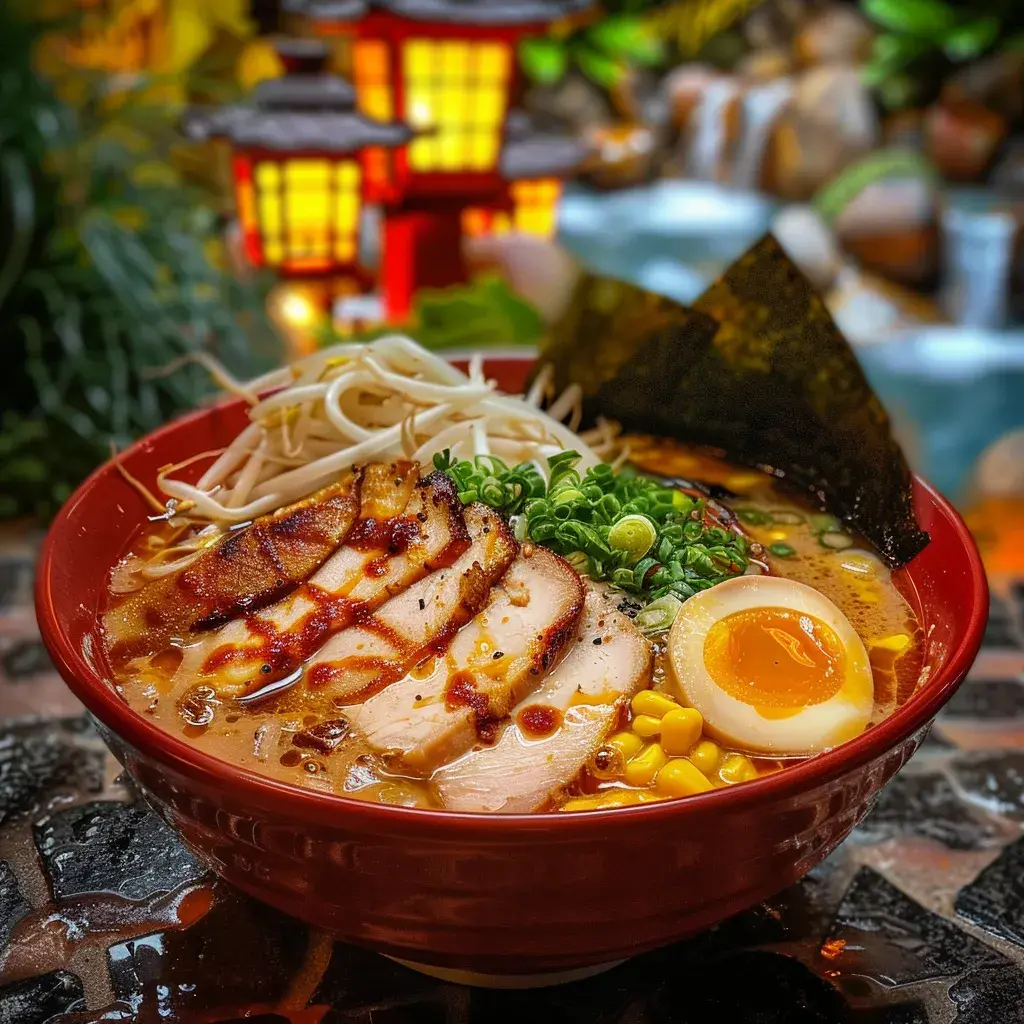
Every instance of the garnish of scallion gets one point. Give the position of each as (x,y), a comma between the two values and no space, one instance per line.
(629,530)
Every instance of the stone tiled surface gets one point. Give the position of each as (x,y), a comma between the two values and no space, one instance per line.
(918,919)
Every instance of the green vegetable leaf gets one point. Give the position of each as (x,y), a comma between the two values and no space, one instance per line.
(1015,44)
(601,69)
(543,59)
(891,52)
(625,37)
(928,19)
(782,550)
(972,39)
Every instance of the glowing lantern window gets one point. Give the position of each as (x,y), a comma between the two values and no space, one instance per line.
(456,92)
(535,206)
(304,161)
(373,79)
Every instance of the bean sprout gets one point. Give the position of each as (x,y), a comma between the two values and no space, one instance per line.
(351,403)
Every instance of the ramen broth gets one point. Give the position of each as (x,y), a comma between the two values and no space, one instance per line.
(302,736)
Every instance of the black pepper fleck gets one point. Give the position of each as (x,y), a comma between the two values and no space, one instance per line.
(498,654)
(423,604)
(264,669)
(596,641)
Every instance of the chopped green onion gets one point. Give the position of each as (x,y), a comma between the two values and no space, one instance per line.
(824,523)
(782,550)
(835,540)
(635,534)
(659,615)
(754,517)
(786,517)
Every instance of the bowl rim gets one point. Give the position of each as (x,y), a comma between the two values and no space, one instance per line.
(102,701)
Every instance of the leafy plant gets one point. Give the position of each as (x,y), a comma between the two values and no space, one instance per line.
(928,37)
(603,50)
(483,314)
(111,270)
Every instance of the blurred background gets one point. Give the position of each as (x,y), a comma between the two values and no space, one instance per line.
(253,179)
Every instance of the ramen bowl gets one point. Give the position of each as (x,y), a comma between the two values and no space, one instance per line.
(507,899)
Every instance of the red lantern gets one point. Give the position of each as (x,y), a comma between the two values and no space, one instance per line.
(447,68)
(303,161)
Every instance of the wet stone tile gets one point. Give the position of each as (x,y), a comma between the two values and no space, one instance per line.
(893,939)
(995,899)
(40,755)
(240,953)
(994,780)
(107,846)
(25,660)
(989,997)
(987,699)
(13,905)
(926,806)
(37,1000)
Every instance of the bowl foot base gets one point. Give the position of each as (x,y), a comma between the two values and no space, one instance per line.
(477,980)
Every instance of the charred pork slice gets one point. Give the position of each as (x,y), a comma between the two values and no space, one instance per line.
(380,557)
(361,660)
(441,708)
(555,730)
(247,569)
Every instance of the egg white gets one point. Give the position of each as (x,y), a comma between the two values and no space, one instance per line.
(807,729)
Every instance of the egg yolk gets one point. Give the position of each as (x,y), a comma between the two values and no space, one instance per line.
(774,658)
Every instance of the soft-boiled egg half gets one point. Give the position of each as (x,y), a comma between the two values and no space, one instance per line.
(773,666)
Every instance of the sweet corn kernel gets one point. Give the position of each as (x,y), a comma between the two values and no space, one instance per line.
(627,743)
(681,778)
(680,729)
(610,798)
(649,702)
(646,726)
(707,756)
(737,768)
(642,769)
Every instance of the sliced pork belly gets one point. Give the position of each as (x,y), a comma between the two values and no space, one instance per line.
(380,557)
(361,660)
(440,709)
(245,570)
(555,730)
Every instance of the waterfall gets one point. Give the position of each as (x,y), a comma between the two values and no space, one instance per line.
(762,104)
(707,136)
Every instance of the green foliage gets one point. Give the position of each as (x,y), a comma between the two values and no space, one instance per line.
(923,39)
(576,516)
(483,314)
(110,272)
(603,51)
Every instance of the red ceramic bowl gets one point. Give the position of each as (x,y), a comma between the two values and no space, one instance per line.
(509,895)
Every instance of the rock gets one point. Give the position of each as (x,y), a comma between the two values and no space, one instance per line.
(38,1000)
(113,847)
(904,129)
(830,122)
(1008,174)
(994,780)
(13,905)
(15,581)
(985,997)
(765,65)
(836,35)
(996,82)
(891,226)
(624,155)
(995,899)
(810,243)
(574,104)
(36,757)
(26,659)
(962,137)
(926,806)
(900,939)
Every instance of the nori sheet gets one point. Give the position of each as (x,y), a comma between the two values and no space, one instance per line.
(758,369)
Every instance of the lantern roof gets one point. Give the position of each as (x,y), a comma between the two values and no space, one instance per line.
(307,109)
(457,12)
(530,152)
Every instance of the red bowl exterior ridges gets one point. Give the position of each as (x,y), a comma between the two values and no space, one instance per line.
(489,893)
